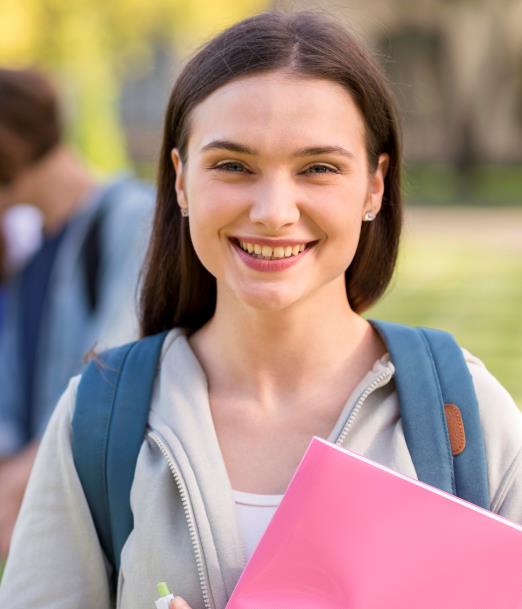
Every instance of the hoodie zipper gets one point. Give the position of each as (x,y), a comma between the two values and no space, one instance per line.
(378,382)
(196,545)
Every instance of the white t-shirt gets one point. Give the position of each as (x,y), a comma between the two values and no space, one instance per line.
(254,512)
(22,228)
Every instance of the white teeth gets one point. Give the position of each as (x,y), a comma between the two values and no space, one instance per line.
(266,251)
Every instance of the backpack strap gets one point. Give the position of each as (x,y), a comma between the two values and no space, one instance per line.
(92,259)
(115,391)
(108,427)
(92,250)
(470,464)
(431,376)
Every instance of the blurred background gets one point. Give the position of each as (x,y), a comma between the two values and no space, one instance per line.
(456,66)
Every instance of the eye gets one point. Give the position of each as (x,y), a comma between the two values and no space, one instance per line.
(320,168)
(231,166)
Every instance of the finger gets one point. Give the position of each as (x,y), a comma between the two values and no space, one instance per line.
(179,603)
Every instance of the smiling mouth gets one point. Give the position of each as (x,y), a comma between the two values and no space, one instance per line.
(267,252)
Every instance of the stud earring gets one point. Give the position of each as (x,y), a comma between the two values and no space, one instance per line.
(184,211)
(369,216)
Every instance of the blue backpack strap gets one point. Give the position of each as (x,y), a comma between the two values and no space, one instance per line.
(470,465)
(108,427)
(430,372)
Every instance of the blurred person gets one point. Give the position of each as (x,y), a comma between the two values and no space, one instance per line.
(77,289)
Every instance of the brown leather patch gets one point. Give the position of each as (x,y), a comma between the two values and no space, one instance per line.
(456,432)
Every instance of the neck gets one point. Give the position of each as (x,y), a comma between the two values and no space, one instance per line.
(259,353)
(62,186)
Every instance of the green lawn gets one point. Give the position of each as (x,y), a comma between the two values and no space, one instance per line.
(494,185)
(466,279)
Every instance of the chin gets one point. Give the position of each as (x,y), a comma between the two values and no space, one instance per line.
(268,301)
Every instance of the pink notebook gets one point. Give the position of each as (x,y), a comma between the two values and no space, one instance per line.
(352,534)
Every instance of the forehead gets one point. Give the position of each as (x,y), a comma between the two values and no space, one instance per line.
(277,111)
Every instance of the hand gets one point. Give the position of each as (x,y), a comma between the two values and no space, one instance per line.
(179,603)
(14,475)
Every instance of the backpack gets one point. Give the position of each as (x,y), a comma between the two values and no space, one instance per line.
(438,406)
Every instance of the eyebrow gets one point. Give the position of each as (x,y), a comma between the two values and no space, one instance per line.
(310,151)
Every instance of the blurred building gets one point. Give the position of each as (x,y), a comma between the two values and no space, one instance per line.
(143,102)
(456,66)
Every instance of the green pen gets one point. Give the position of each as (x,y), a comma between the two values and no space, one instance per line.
(163,601)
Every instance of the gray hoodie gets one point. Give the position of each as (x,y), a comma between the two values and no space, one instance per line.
(185,529)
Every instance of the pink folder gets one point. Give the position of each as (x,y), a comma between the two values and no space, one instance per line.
(352,534)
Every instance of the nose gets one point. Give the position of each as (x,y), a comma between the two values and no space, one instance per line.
(275,203)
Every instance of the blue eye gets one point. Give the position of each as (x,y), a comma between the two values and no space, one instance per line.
(320,169)
(231,166)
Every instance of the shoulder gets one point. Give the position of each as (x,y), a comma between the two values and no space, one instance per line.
(162,339)
(495,403)
(60,422)
(55,447)
(501,422)
(107,363)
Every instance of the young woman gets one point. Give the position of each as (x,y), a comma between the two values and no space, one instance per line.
(277,224)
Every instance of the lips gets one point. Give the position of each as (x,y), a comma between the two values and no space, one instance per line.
(264,249)
(270,264)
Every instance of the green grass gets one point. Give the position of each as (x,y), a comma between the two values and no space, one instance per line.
(497,185)
(472,288)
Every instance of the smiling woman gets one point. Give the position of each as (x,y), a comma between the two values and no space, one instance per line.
(278,160)
(277,224)
(306,91)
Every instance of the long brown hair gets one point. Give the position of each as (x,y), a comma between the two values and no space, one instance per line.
(177,290)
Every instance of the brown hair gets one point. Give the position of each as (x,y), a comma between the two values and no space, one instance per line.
(30,121)
(177,289)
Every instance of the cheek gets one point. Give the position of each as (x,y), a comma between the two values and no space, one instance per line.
(212,209)
(340,215)
(212,204)
(211,215)
(340,222)
(345,242)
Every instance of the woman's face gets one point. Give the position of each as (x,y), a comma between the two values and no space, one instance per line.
(277,164)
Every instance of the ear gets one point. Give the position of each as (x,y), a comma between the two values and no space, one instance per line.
(180,184)
(376,185)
